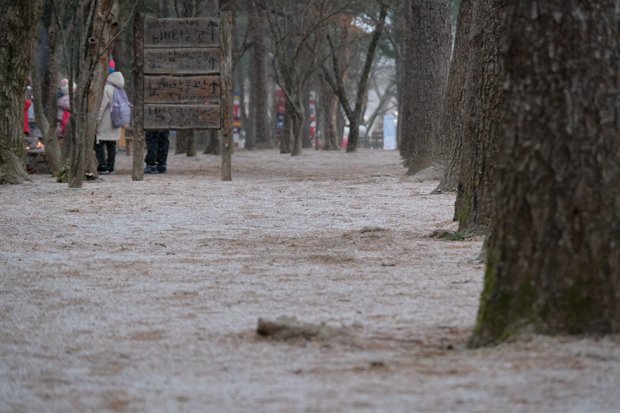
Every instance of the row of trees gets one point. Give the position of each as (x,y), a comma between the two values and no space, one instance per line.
(320,45)
(528,133)
(518,114)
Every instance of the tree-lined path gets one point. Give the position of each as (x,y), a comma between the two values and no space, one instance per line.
(144,296)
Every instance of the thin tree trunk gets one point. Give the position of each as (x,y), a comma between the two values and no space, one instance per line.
(181,142)
(191,144)
(47,113)
(354,112)
(295,121)
(328,102)
(213,144)
(305,127)
(287,135)
(362,87)
(138,141)
(226,65)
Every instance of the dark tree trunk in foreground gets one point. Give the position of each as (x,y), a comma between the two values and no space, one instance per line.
(426,64)
(553,259)
(480,120)
(18,21)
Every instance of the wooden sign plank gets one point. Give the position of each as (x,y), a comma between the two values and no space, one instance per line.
(184,32)
(182,89)
(182,61)
(182,117)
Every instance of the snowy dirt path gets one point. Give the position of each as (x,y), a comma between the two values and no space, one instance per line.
(144,297)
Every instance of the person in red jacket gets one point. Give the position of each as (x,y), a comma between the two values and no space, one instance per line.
(27,104)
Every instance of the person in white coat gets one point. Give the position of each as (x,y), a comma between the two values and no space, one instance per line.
(107,135)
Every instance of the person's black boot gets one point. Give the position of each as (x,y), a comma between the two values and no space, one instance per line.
(150,169)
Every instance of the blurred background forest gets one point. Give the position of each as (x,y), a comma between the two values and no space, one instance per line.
(307,74)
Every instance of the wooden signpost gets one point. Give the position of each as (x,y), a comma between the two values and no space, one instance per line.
(184,79)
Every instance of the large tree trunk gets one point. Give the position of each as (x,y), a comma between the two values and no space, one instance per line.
(553,261)
(480,125)
(18,21)
(450,133)
(427,64)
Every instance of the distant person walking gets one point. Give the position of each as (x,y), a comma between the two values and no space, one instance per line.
(107,134)
(157,144)
(64,108)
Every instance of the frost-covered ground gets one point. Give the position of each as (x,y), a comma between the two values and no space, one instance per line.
(144,297)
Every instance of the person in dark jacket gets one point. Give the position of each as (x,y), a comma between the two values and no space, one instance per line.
(157,144)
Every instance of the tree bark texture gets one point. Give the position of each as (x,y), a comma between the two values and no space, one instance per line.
(305,127)
(259,82)
(553,261)
(450,133)
(480,118)
(329,108)
(18,21)
(185,143)
(213,143)
(398,31)
(138,140)
(45,94)
(226,65)
(90,50)
(426,65)
(294,123)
